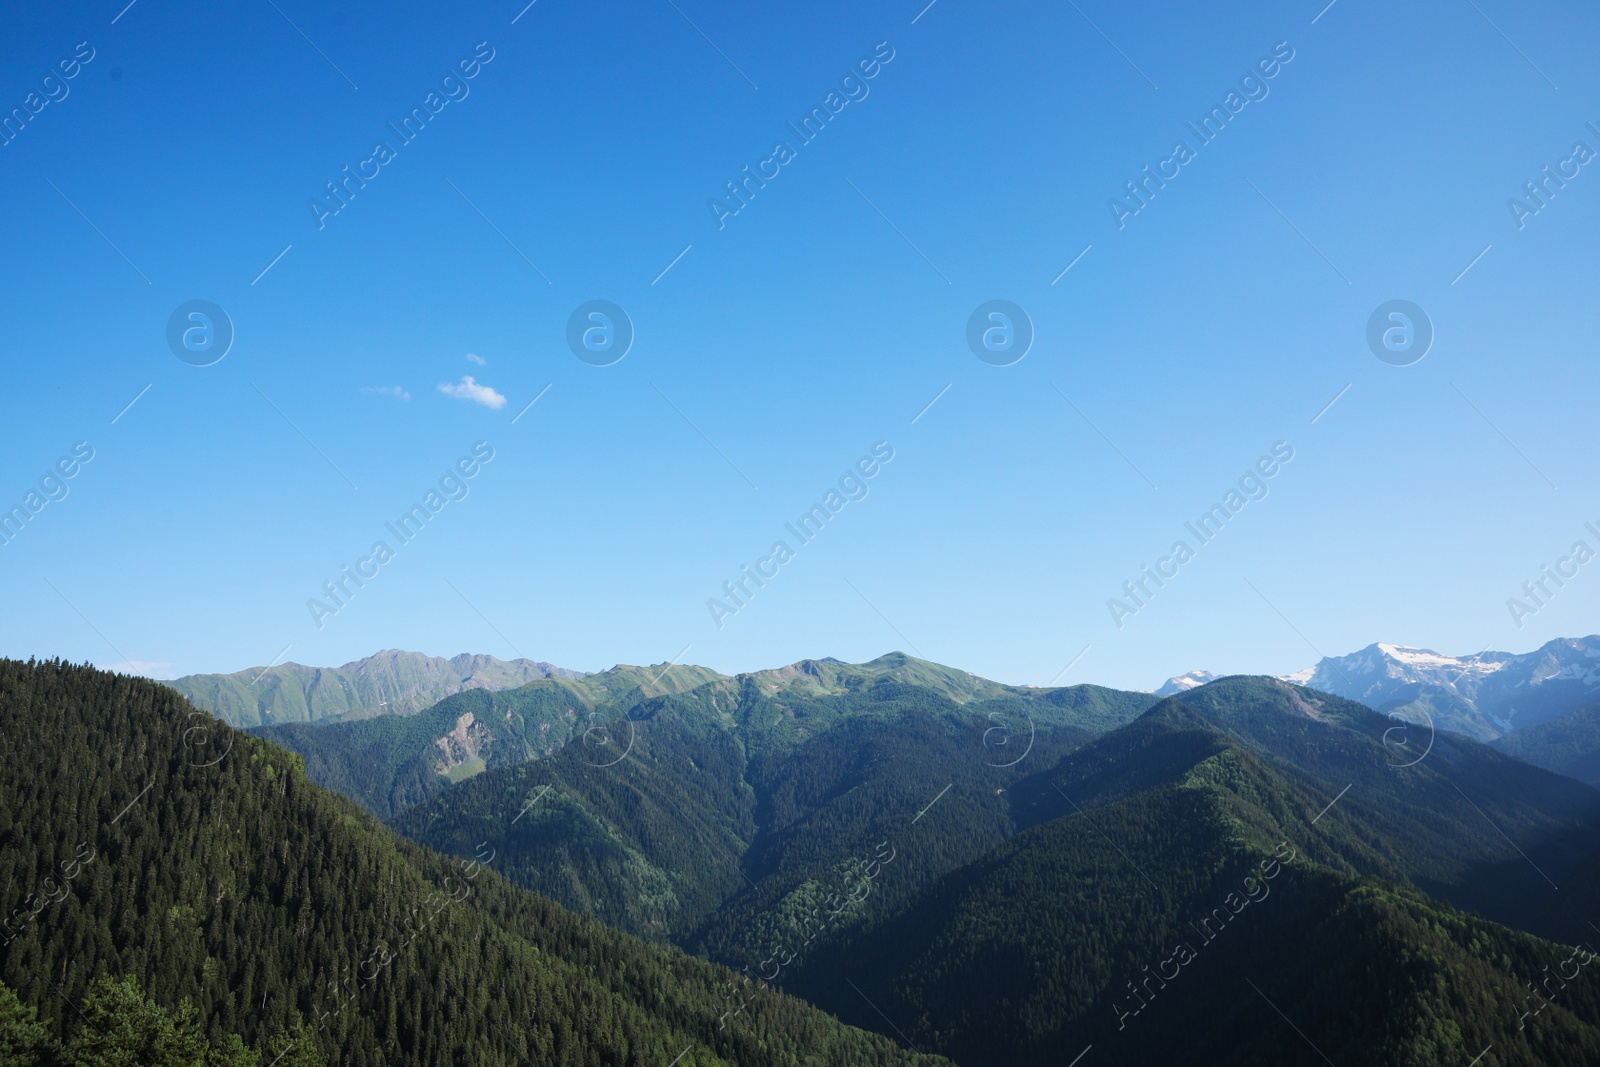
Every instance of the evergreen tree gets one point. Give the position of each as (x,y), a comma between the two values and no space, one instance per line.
(121,1027)
(24,1041)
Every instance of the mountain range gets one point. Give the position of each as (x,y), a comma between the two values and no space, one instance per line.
(393,681)
(1180,891)
(723,815)
(1485,695)
(825,863)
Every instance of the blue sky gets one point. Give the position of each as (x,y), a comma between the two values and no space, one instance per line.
(579,162)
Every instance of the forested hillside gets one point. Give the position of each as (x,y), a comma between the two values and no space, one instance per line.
(672,833)
(139,839)
(117,1025)
(1569,745)
(1004,876)
(1447,814)
(1190,918)
(704,816)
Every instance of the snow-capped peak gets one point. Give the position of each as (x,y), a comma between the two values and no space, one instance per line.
(1185,682)
(1418,657)
(1484,694)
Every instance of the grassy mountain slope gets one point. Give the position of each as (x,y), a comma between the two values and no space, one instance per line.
(391,682)
(828,779)
(1447,710)
(831,677)
(139,838)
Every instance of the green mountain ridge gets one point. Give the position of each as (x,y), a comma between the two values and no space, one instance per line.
(1447,814)
(999,870)
(1057,940)
(995,898)
(1569,745)
(389,762)
(756,829)
(388,765)
(389,682)
(741,791)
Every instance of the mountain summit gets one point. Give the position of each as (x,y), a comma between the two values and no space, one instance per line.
(1485,695)
(1185,682)
(392,681)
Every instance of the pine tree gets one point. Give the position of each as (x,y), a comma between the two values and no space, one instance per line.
(24,1041)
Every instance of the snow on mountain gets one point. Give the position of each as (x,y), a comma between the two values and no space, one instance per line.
(1484,695)
(1185,682)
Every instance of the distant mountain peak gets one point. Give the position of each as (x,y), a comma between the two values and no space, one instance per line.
(1412,654)
(392,681)
(831,675)
(1184,682)
(1485,695)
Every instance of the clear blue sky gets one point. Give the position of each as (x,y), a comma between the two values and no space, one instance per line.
(1222,318)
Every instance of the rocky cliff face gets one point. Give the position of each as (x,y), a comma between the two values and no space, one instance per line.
(467,743)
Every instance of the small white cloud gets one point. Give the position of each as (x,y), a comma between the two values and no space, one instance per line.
(386,390)
(159,671)
(479,360)
(467,389)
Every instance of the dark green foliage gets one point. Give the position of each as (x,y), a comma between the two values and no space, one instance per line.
(859,791)
(1058,939)
(392,762)
(230,1051)
(116,1025)
(1449,815)
(709,817)
(119,1027)
(1569,745)
(294,1047)
(24,1041)
(650,841)
(216,874)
